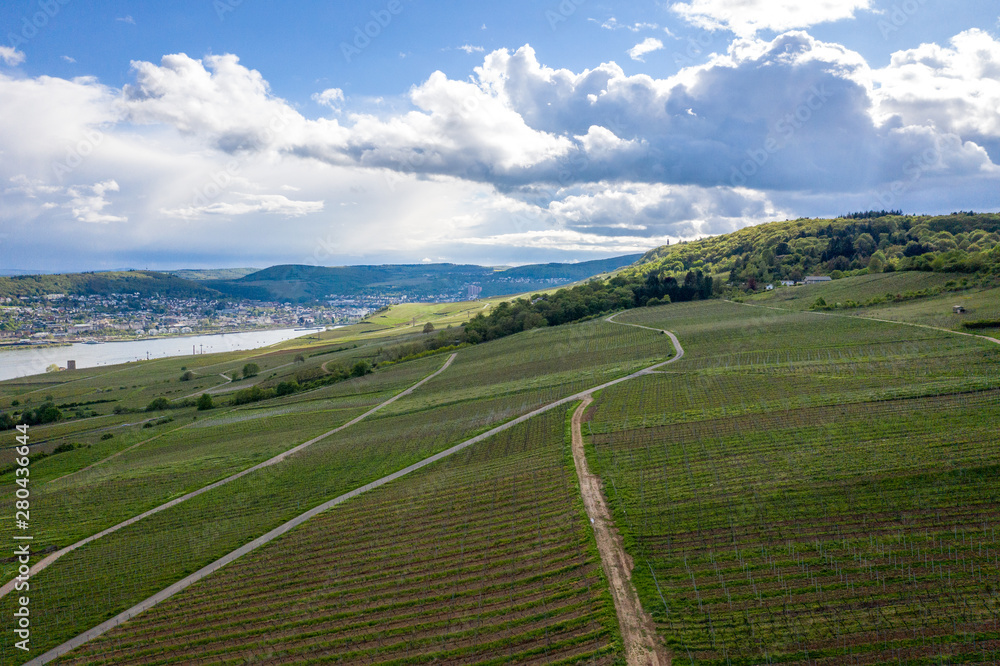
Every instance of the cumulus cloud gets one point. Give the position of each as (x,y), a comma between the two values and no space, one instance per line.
(647,45)
(11,56)
(331,97)
(88,203)
(747,17)
(520,154)
(955,89)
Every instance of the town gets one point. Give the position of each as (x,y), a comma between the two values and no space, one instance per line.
(63,319)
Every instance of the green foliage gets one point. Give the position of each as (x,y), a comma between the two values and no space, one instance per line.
(205,402)
(361,368)
(44,413)
(158,405)
(873,241)
(251,370)
(187,376)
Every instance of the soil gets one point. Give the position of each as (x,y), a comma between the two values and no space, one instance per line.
(642,646)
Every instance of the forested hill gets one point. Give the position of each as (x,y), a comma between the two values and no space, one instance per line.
(865,242)
(416,281)
(144,283)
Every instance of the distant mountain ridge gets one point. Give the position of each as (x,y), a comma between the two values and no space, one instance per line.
(416,281)
(308,283)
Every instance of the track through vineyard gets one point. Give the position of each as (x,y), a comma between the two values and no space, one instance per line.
(267,463)
(202,573)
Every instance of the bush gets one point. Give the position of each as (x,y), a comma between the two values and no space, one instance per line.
(106,435)
(187,376)
(205,402)
(251,370)
(158,405)
(361,368)
(287,388)
(428,327)
(63,448)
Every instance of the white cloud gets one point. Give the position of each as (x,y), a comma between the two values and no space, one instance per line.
(11,56)
(331,97)
(954,89)
(471,49)
(71,60)
(613,24)
(647,45)
(520,156)
(88,203)
(245,204)
(126,19)
(747,17)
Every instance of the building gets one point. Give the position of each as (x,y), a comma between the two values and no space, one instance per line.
(958,309)
(769,287)
(71,365)
(474,291)
(788,283)
(817,279)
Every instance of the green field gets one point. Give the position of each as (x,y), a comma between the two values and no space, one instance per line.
(807,488)
(800,487)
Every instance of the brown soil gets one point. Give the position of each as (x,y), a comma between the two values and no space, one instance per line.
(642,647)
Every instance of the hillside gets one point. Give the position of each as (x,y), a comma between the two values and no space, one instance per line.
(307,283)
(415,281)
(794,484)
(793,249)
(145,283)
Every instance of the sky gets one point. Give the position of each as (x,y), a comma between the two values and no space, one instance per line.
(235,133)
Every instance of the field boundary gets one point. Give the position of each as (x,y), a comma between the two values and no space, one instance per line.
(186,582)
(884,321)
(267,463)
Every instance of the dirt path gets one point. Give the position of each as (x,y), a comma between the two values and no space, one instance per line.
(184,583)
(642,647)
(267,463)
(884,321)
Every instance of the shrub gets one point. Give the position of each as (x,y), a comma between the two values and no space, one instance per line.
(251,370)
(361,368)
(158,405)
(187,376)
(106,435)
(205,402)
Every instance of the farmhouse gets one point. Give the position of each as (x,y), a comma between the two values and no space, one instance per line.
(816,279)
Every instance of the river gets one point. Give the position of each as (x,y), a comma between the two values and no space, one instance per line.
(24,361)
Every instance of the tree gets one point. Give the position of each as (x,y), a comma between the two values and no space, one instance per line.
(251,370)
(52,368)
(187,376)
(299,358)
(205,402)
(428,327)
(157,405)
(361,368)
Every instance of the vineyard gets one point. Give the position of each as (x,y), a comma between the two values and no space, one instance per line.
(808,489)
(480,390)
(486,556)
(800,487)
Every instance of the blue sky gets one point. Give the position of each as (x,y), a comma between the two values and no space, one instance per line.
(227,133)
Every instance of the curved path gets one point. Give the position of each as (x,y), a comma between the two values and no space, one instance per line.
(267,463)
(884,321)
(184,583)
